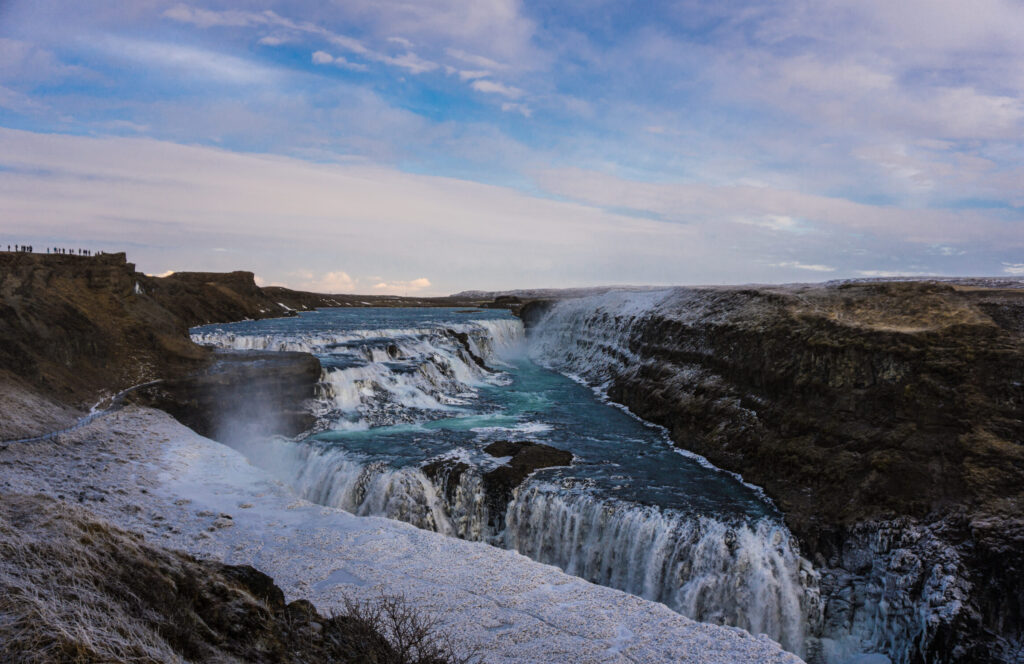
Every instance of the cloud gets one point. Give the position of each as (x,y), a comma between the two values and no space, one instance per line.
(886,274)
(18,102)
(775,222)
(805,266)
(869,94)
(23,61)
(402,287)
(205,18)
(236,18)
(336,282)
(325,58)
(197,61)
(474,59)
(279,213)
(272,40)
(493,87)
(705,204)
(469,75)
(523,109)
(1016,269)
(858,134)
(412,62)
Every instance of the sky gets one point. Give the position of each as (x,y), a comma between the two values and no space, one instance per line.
(428,147)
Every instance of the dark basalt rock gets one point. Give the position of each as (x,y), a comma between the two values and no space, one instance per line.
(446,473)
(501,482)
(463,340)
(242,394)
(532,311)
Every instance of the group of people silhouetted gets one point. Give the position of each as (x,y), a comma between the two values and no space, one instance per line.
(27,249)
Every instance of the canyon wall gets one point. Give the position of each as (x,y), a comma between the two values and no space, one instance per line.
(885,420)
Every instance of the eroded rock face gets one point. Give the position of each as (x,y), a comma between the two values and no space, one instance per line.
(885,419)
(242,394)
(498,484)
(76,329)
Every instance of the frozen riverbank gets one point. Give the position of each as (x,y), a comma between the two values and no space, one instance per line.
(142,471)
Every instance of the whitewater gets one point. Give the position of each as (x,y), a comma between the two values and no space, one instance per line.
(403,389)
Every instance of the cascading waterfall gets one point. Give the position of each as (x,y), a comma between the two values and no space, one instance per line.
(590,337)
(329,476)
(382,376)
(735,572)
(740,574)
(746,575)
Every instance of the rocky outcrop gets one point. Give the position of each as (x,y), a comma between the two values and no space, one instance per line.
(498,485)
(76,329)
(241,394)
(524,458)
(885,419)
(197,298)
(75,589)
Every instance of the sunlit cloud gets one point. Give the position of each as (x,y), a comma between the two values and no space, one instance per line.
(493,87)
(325,58)
(401,287)
(805,266)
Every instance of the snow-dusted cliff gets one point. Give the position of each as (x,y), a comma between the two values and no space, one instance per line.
(884,419)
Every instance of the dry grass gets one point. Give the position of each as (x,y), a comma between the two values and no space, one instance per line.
(76,590)
(64,596)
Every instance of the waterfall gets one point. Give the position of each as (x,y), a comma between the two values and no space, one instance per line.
(743,573)
(746,575)
(376,377)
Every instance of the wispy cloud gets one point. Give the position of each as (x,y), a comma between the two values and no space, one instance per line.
(204,18)
(474,59)
(522,109)
(813,267)
(325,58)
(702,203)
(298,212)
(337,282)
(402,287)
(493,87)
(886,274)
(469,75)
(197,61)
(1013,268)
(862,135)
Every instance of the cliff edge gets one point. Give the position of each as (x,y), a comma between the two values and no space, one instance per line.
(77,329)
(885,419)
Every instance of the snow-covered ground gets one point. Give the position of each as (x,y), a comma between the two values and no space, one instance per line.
(143,471)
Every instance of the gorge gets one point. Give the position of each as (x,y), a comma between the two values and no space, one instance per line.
(857,491)
(882,419)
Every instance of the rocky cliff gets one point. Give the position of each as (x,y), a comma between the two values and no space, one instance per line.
(75,329)
(885,419)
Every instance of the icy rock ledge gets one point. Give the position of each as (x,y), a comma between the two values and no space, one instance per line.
(187,491)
